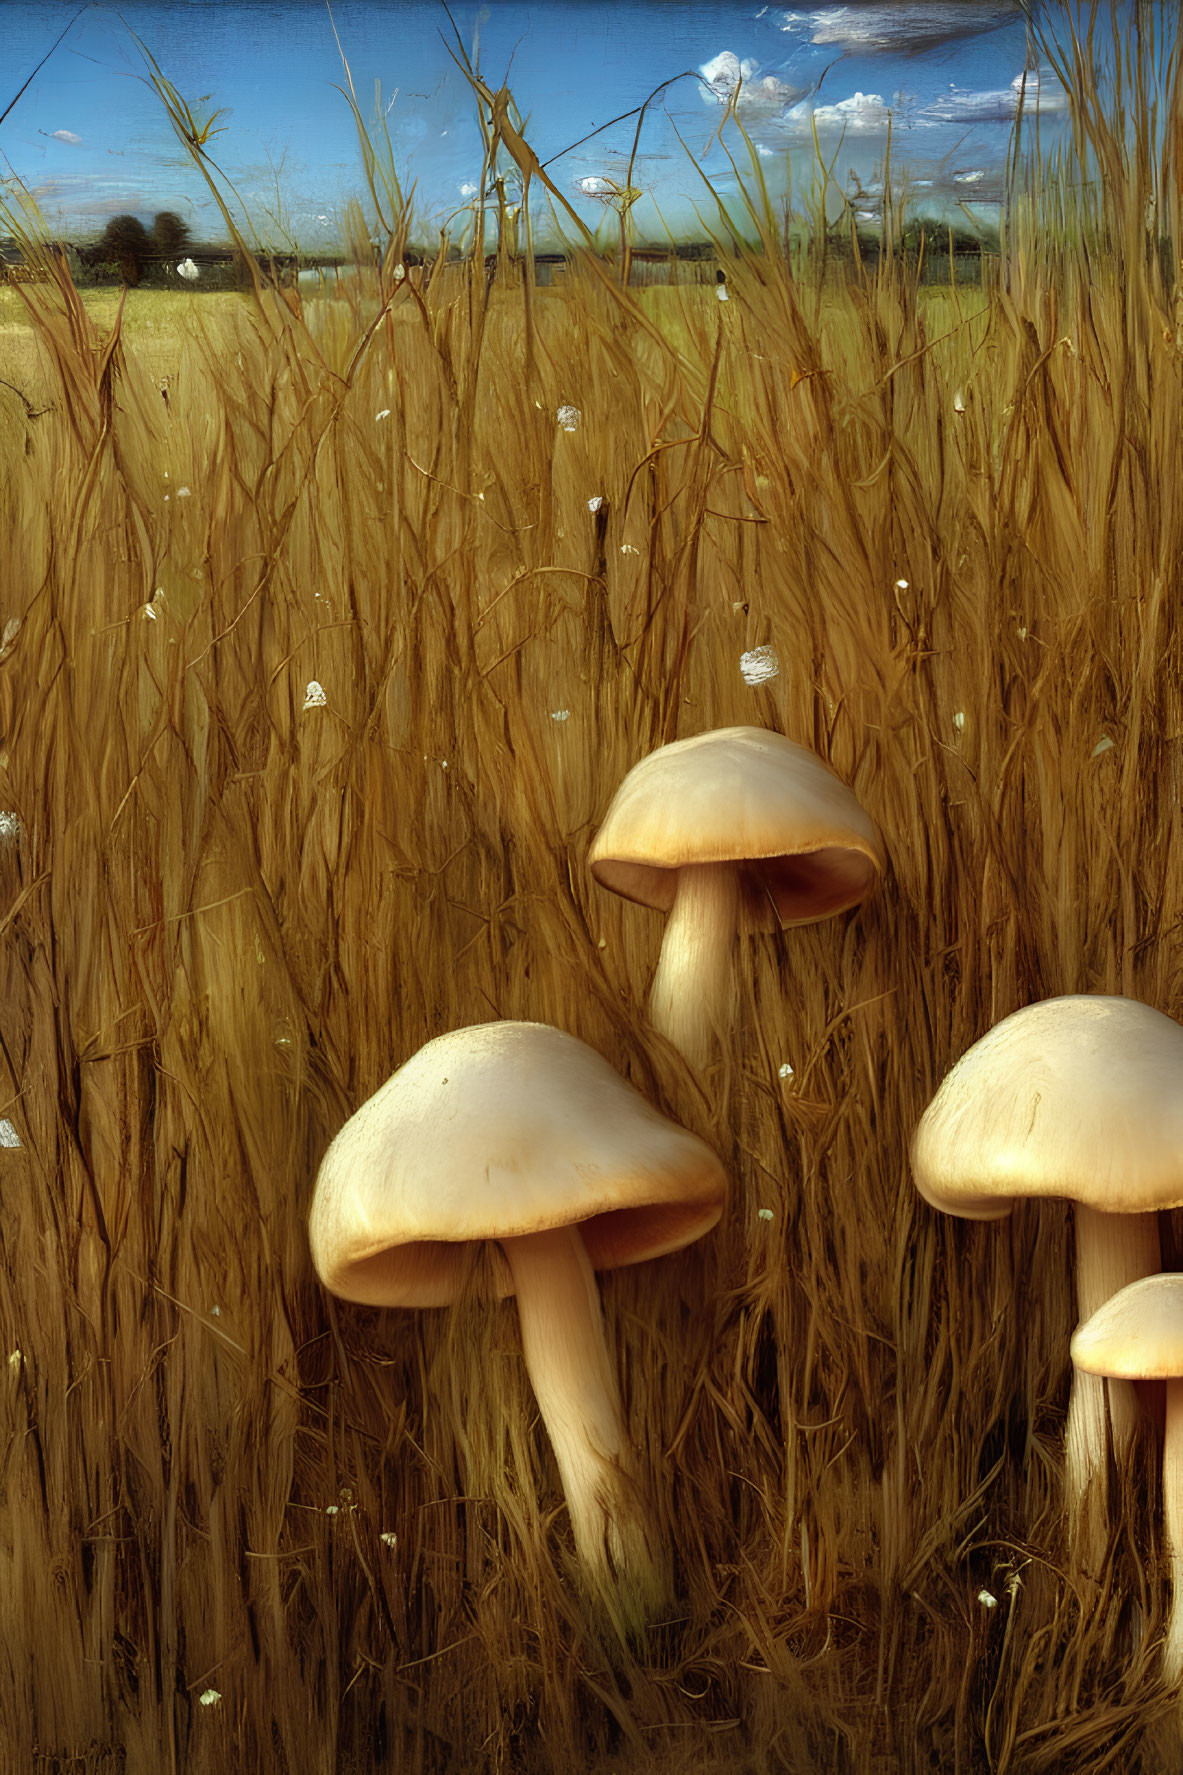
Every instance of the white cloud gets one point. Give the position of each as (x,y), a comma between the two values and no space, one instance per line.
(723,73)
(864,113)
(64,135)
(1044,94)
(904,28)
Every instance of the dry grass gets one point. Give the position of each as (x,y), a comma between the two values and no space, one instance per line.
(228,918)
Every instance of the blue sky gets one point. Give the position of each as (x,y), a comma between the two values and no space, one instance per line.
(90,139)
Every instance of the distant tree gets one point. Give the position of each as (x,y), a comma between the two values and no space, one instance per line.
(170,235)
(126,242)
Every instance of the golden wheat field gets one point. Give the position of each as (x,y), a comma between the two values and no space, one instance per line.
(232,904)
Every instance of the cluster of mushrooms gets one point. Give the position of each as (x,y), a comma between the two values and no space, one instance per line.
(556,1162)
(1082,1097)
(560,1167)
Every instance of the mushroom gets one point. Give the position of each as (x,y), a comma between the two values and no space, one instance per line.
(1081,1097)
(520,1134)
(736,818)
(1138,1336)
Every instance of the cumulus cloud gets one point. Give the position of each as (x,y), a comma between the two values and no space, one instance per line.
(1044,94)
(864,113)
(902,29)
(723,73)
(64,135)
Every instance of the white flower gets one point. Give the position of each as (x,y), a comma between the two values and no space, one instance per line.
(10,826)
(560,714)
(148,610)
(8,1134)
(384,414)
(314,696)
(216,1312)
(209,1697)
(764,1214)
(786,1071)
(987,1601)
(626,548)
(331,1509)
(387,1539)
(182,492)
(399,272)
(568,417)
(959,720)
(901,585)
(593,505)
(758,666)
(188,270)
(959,402)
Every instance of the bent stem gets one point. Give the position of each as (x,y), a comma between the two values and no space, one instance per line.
(1112,1250)
(569,1366)
(691,992)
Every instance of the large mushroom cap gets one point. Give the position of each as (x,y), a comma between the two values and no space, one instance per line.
(1079,1096)
(489,1133)
(1137,1335)
(740,795)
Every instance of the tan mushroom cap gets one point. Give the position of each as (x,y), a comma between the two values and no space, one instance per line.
(491,1132)
(740,795)
(1079,1096)
(1137,1335)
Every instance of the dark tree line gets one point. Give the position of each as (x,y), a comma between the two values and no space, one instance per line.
(126,242)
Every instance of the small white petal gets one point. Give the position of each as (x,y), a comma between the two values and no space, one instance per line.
(721,292)
(1104,744)
(384,414)
(959,720)
(216,1311)
(593,505)
(314,696)
(959,402)
(331,1510)
(149,612)
(182,492)
(8,1134)
(10,826)
(758,666)
(764,1214)
(626,548)
(15,1360)
(901,585)
(560,714)
(209,1697)
(987,1601)
(786,1071)
(568,417)
(387,1539)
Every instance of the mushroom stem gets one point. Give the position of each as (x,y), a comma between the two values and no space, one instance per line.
(1172,1506)
(1112,1250)
(571,1372)
(689,998)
